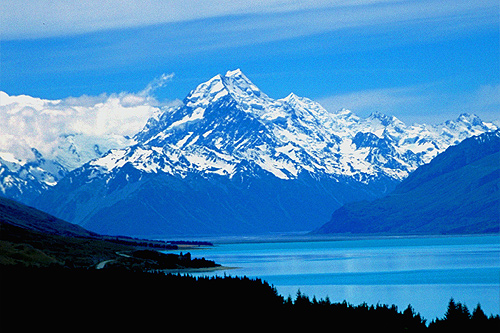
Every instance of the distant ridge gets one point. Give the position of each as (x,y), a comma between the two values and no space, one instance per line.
(457,192)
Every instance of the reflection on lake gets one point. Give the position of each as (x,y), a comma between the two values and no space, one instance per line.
(424,272)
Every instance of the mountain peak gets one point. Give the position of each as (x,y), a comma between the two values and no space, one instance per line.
(237,77)
(379,115)
(384,119)
(235,86)
(207,92)
(210,164)
(303,104)
(291,97)
(236,72)
(240,86)
(469,123)
(469,118)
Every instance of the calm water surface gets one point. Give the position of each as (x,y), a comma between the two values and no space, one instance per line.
(423,272)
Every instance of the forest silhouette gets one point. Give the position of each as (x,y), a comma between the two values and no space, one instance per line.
(59,298)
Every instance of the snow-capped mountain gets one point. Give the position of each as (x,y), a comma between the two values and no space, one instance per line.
(41,140)
(228,120)
(231,159)
(24,179)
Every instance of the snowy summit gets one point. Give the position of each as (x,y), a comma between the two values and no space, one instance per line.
(231,159)
(228,120)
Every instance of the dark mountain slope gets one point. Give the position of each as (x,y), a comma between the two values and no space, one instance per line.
(33,238)
(29,237)
(458,192)
(20,215)
(162,204)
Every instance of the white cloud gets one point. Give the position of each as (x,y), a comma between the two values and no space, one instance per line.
(46,18)
(27,122)
(52,18)
(156,84)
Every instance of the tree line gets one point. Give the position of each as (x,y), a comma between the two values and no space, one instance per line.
(59,298)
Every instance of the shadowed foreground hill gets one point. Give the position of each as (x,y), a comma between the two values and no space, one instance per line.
(20,215)
(29,237)
(33,238)
(456,193)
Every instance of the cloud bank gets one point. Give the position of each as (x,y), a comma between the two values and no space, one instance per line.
(43,124)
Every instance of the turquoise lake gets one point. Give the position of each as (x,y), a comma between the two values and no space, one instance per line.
(423,271)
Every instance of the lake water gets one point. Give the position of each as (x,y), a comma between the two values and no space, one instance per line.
(424,272)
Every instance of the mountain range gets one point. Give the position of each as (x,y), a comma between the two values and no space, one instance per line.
(457,192)
(232,160)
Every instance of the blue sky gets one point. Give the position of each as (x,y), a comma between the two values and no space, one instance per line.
(423,61)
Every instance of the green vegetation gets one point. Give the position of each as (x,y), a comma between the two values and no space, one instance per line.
(19,246)
(148,260)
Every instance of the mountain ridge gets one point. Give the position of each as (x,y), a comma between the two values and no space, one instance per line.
(298,131)
(237,142)
(457,192)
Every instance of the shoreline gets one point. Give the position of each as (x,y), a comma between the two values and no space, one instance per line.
(196,270)
(305,237)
